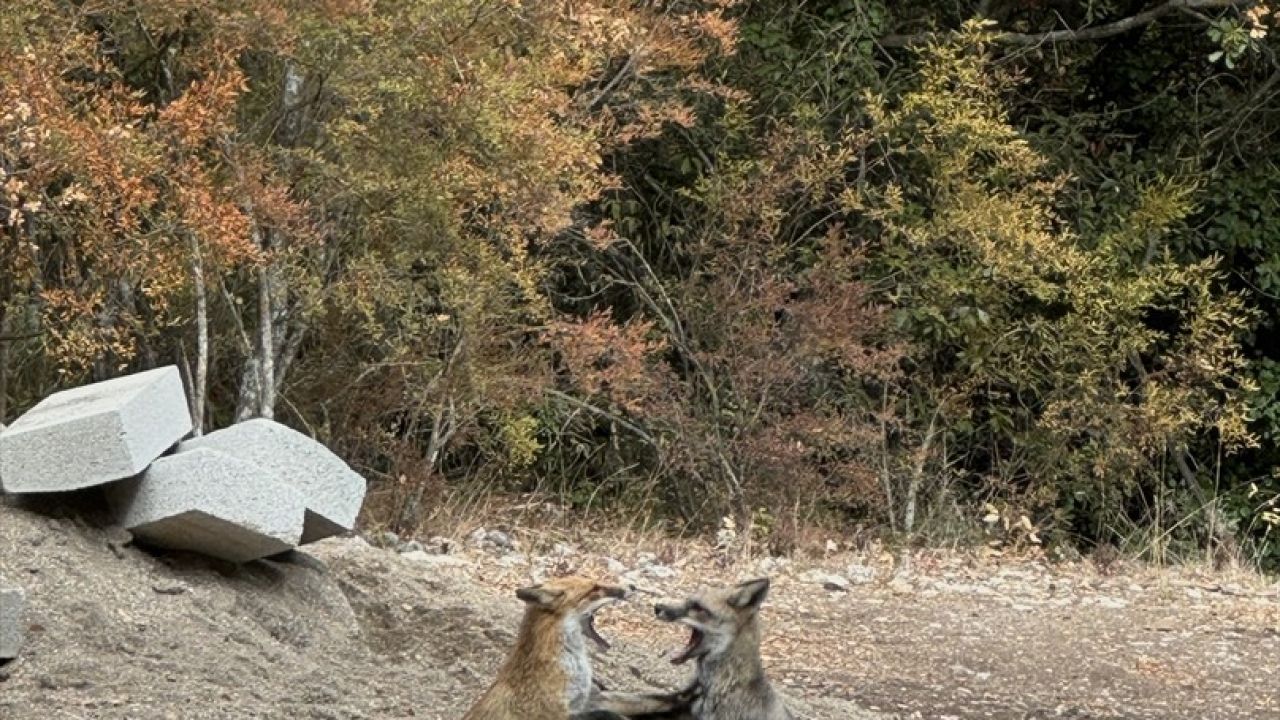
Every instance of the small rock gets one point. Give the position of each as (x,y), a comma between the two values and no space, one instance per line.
(421,556)
(439,545)
(859,574)
(501,540)
(832,582)
(411,546)
(495,541)
(614,567)
(659,572)
(836,583)
(12,607)
(386,539)
(899,586)
(173,588)
(772,565)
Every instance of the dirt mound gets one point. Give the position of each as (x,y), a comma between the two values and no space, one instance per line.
(344,631)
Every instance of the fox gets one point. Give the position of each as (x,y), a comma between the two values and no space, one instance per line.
(548,675)
(724,640)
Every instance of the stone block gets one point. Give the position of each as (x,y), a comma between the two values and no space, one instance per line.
(94,434)
(212,503)
(332,490)
(12,604)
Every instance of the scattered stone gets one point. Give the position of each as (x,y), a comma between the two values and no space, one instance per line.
(770,566)
(332,490)
(836,583)
(411,546)
(829,581)
(420,556)
(659,571)
(438,545)
(495,541)
(386,539)
(647,565)
(12,604)
(94,434)
(209,502)
(501,540)
(614,567)
(860,574)
(173,588)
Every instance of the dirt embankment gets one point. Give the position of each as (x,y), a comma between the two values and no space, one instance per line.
(348,631)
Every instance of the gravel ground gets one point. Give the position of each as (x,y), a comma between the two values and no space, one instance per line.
(348,631)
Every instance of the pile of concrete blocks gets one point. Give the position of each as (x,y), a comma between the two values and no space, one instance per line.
(248,491)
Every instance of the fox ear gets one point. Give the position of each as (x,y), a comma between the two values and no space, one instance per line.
(749,594)
(538,595)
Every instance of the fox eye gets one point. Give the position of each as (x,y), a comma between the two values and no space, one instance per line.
(697,607)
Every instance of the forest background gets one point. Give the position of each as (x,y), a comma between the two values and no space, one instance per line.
(995,271)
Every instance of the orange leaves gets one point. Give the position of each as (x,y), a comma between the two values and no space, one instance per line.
(114,142)
(616,361)
(210,215)
(206,110)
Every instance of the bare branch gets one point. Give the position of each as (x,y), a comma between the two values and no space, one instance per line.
(1098,32)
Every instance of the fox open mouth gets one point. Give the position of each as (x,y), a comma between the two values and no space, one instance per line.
(589,629)
(588,620)
(692,648)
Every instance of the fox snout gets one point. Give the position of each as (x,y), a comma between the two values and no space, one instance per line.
(668,613)
(620,593)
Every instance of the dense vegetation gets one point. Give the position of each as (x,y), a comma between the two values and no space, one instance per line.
(975,268)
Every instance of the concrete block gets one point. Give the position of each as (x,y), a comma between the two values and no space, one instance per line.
(94,434)
(12,603)
(212,503)
(332,490)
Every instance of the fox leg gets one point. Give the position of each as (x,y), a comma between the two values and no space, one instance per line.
(645,706)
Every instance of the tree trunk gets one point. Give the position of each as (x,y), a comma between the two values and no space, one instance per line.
(4,358)
(200,381)
(266,343)
(279,333)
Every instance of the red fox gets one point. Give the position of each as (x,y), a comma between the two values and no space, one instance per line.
(547,676)
(724,639)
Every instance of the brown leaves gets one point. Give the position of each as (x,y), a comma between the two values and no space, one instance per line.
(618,362)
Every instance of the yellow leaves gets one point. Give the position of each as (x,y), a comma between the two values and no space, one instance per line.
(519,438)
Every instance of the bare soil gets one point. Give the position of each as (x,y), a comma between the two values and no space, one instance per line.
(347,631)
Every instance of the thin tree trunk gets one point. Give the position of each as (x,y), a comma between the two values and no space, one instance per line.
(4,359)
(278,338)
(200,382)
(266,344)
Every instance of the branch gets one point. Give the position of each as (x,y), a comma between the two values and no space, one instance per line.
(1146,17)
(614,83)
(601,412)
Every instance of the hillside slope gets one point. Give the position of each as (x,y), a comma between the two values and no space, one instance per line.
(345,632)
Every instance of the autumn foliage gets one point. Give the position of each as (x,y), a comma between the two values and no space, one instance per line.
(864,265)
